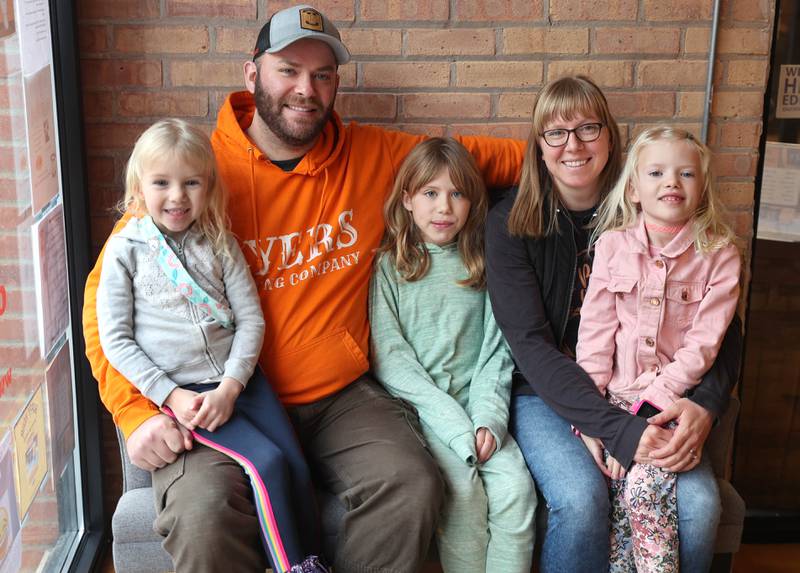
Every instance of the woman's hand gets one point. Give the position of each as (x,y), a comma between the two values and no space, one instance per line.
(653,438)
(685,448)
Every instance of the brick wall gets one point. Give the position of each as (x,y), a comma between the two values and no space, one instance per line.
(438,67)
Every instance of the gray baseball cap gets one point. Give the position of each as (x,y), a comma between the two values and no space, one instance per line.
(291,24)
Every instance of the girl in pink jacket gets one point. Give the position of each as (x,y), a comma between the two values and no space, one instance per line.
(664,287)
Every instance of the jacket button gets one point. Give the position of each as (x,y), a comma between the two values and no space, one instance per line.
(654,368)
(660,264)
(684,294)
(649,341)
(655,301)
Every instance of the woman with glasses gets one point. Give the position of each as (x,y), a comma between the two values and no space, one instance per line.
(538,263)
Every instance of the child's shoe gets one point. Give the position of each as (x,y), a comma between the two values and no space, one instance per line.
(310,564)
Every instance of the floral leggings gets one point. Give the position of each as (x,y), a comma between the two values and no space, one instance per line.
(644,518)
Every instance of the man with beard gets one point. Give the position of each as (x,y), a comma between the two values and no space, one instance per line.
(306,195)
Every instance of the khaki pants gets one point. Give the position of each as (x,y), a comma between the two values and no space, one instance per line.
(361,444)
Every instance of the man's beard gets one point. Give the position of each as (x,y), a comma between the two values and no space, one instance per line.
(292,134)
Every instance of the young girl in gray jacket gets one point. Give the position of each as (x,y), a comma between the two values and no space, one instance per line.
(179,316)
(435,345)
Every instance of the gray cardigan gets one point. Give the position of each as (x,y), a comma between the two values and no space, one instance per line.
(154,336)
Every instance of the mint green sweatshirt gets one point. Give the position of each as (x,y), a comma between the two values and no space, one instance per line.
(436,345)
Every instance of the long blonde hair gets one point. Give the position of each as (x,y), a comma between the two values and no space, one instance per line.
(177,139)
(403,242)
(618,211)
(562,99)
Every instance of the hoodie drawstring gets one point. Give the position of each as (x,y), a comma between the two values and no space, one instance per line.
(253,213)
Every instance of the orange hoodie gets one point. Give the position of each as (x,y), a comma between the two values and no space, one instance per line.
(309,236)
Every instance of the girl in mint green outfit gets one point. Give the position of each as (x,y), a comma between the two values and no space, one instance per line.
(435,345)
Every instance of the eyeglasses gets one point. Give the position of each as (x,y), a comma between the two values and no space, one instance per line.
(559,137)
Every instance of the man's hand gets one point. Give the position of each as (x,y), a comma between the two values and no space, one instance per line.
(685,448)
(157,442)
(485,444)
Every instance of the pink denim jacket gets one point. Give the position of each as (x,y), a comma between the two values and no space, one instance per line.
(651,326)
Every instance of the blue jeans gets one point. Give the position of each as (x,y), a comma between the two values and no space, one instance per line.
(576,494)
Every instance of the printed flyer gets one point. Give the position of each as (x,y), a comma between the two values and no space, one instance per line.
(10,541)
(30,447)
(59,403)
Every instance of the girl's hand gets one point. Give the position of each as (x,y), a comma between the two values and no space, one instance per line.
(595,447)
(184,405)
(216,406)
(615,469)
(485,444)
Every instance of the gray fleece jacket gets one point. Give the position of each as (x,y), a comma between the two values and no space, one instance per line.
(154,336)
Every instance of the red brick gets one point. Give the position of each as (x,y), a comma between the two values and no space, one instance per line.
(446,105)
(347,76)
(750,10)
(12,127)
(203,73)
(367,105)
(405,74)
(640,40)
(372,42)
(750,73)
(641,104)
(450,42)
(743,41)
(100,170)
(98,104)
(740,135)
(727,164)
(545,40)
(697,41)
(679,10)
(736,195)
(39,533)
(106,136)
(163,103)
(429,129)
(691,104)
(92,39)
(510,130)
(161,39)
(499,74)
(737,104)
(117,73)
(515,105)
(118,9)
(231,40)
(336,10)
(234,9)
(404,10)
(614,10)
(672,73)
(605,73)
(497,10)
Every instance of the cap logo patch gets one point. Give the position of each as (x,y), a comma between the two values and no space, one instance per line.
(310,20)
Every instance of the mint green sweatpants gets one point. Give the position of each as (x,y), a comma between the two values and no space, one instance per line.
(487,523)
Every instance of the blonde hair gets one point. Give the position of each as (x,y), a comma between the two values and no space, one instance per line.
(176,139)
(403,242)
(562,99)
(618,211)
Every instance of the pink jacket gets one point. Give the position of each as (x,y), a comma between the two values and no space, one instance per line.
(651,326)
